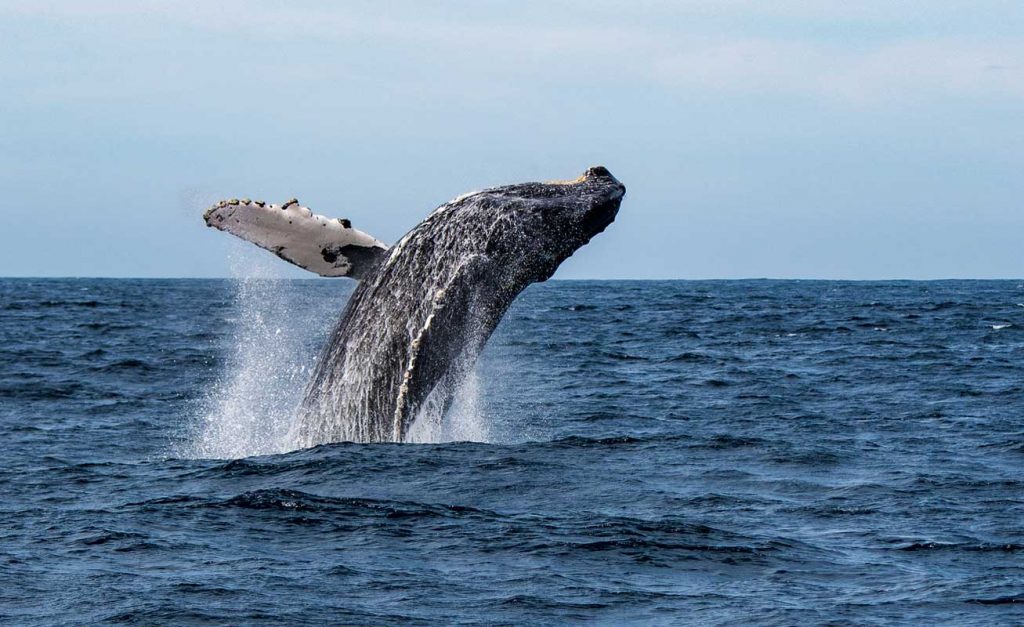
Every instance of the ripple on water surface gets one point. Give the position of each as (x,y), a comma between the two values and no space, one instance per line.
(709,452)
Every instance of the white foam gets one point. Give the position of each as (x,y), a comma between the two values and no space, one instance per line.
(250,410)
(465,421)
(1000,327)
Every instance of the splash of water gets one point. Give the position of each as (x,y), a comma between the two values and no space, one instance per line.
(464,421)
(253,407)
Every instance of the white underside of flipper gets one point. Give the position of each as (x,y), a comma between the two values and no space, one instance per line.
(326,246)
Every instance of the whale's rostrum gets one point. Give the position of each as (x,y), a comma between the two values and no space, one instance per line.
(425,307)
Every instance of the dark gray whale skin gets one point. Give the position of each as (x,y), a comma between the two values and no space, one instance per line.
(416,323)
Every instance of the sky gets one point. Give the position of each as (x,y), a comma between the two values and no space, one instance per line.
(787,139)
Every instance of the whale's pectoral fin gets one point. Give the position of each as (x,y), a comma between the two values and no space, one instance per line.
(325,246)
(455,331)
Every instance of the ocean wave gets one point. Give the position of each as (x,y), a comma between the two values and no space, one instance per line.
(125,366)
(1006,600)
(963,546)
(855,477)
(285,500)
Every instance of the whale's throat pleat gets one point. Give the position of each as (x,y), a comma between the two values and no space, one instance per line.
(448,342)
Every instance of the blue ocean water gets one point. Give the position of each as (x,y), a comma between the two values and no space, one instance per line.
(738,452)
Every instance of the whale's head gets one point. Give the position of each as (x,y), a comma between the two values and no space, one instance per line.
(533,227)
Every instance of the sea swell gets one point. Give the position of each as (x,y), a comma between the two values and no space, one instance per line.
(704,452)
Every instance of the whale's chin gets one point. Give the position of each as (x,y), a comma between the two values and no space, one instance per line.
(600,218)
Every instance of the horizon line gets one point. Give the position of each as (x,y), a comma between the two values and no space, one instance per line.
(619,280)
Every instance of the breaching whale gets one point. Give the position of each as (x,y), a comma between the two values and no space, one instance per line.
(425,307)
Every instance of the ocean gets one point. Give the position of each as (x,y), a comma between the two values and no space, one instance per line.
(657,453)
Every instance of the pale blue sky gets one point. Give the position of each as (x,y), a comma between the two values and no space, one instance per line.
(830,139)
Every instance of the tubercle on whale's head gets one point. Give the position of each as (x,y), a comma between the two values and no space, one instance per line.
(550,221)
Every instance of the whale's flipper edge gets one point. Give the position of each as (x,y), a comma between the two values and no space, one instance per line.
(326,246)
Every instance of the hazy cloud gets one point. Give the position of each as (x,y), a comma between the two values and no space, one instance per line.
(596,47)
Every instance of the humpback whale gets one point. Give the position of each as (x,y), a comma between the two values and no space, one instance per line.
(424,308)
